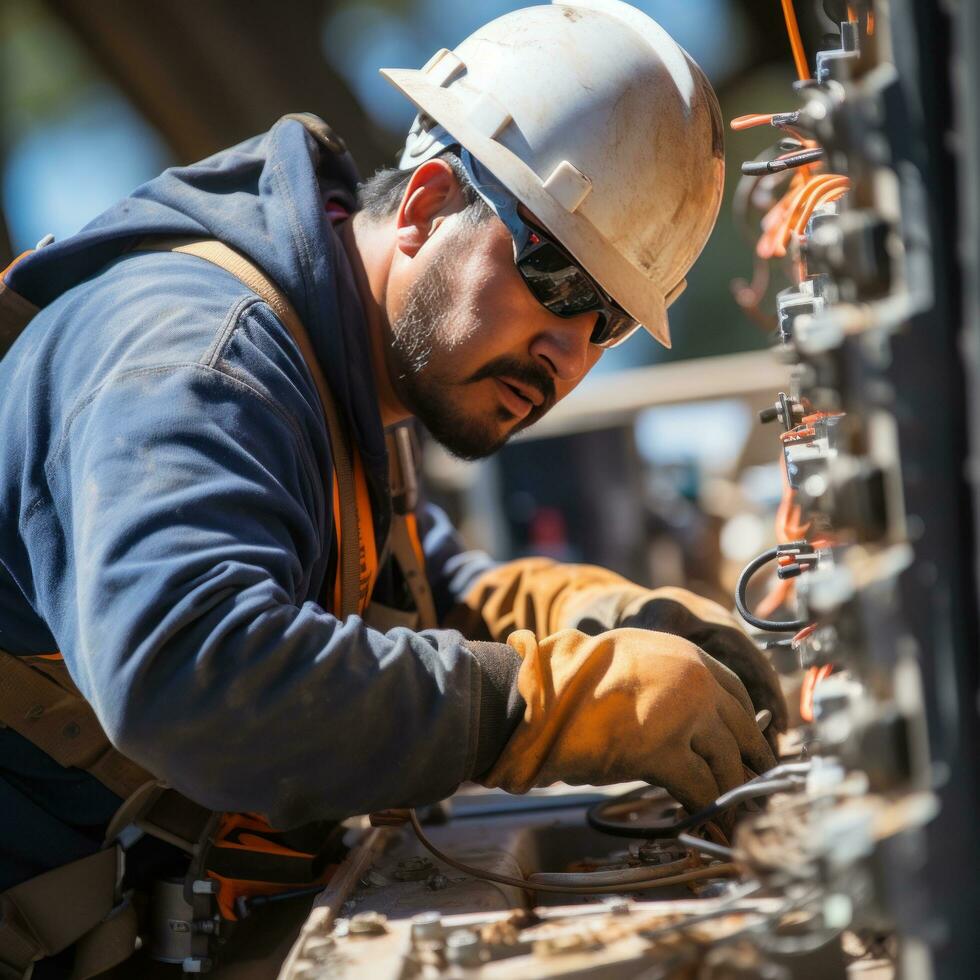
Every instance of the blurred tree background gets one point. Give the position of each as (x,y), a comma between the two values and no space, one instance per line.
(99,95)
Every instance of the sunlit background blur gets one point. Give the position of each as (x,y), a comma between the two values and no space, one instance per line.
(655,469)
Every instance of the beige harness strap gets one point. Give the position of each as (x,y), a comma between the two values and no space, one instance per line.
(247,272)
(47,913)
(63,725)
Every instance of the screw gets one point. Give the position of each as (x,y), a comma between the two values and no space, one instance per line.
(368,924)
(617,905)
(652,852)
(464,948)
(413,869)
(426,927)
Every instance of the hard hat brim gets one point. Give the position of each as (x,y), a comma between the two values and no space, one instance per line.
(629,286)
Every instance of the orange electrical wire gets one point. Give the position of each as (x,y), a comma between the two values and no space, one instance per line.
(816,187)
(749,295)
(791,213)
(789,524)
(752,119)
(7,268)
(826,192)
(795,41)
(869,23)
(772,222)
(794,209)
(784,233)
(781,593)
(804,633)
(810,681)
(775,221)
(788,528)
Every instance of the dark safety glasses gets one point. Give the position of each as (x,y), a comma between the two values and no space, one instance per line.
(555,279)
(560,284)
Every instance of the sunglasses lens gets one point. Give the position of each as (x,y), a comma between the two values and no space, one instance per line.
(556,283)
(559,284)
(611,330)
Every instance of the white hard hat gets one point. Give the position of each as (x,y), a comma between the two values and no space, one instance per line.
(600,124)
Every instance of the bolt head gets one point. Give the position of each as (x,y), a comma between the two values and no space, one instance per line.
(367,924)
(427,927)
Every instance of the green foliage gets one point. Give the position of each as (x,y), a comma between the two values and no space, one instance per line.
(46,73)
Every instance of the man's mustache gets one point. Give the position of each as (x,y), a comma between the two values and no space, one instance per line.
(526,372)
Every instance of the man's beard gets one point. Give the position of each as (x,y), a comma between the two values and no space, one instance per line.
(422,337)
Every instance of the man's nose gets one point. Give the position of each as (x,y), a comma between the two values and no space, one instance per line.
(564,346)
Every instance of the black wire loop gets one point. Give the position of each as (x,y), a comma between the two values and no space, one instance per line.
(769,625)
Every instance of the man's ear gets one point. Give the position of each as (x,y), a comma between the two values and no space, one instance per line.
(433,193)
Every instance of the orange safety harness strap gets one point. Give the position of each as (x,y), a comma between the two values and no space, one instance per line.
(248,858)
(15,311)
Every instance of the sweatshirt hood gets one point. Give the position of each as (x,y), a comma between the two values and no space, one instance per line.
(265,198)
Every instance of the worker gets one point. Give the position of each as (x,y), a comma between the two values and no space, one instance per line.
(177,525)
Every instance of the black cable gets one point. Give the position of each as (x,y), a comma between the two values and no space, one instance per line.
(707,847)
(769,625)
(752,168)
(763,785)
(695,874)
(836,10)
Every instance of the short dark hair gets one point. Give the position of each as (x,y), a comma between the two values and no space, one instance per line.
(380,195)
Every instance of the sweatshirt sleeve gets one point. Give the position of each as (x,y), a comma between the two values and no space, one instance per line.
(194,522)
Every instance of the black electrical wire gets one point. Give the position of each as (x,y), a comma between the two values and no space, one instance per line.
(752,168)
(769,625)
(763,785)
(836,10)
(707,847)
(617,888)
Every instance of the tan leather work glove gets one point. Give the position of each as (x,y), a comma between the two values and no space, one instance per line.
(547,596)
(629,704)
(703,622)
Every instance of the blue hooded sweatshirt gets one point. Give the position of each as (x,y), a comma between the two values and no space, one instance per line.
(165,522)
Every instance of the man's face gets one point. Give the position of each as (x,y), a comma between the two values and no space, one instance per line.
(472,353)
